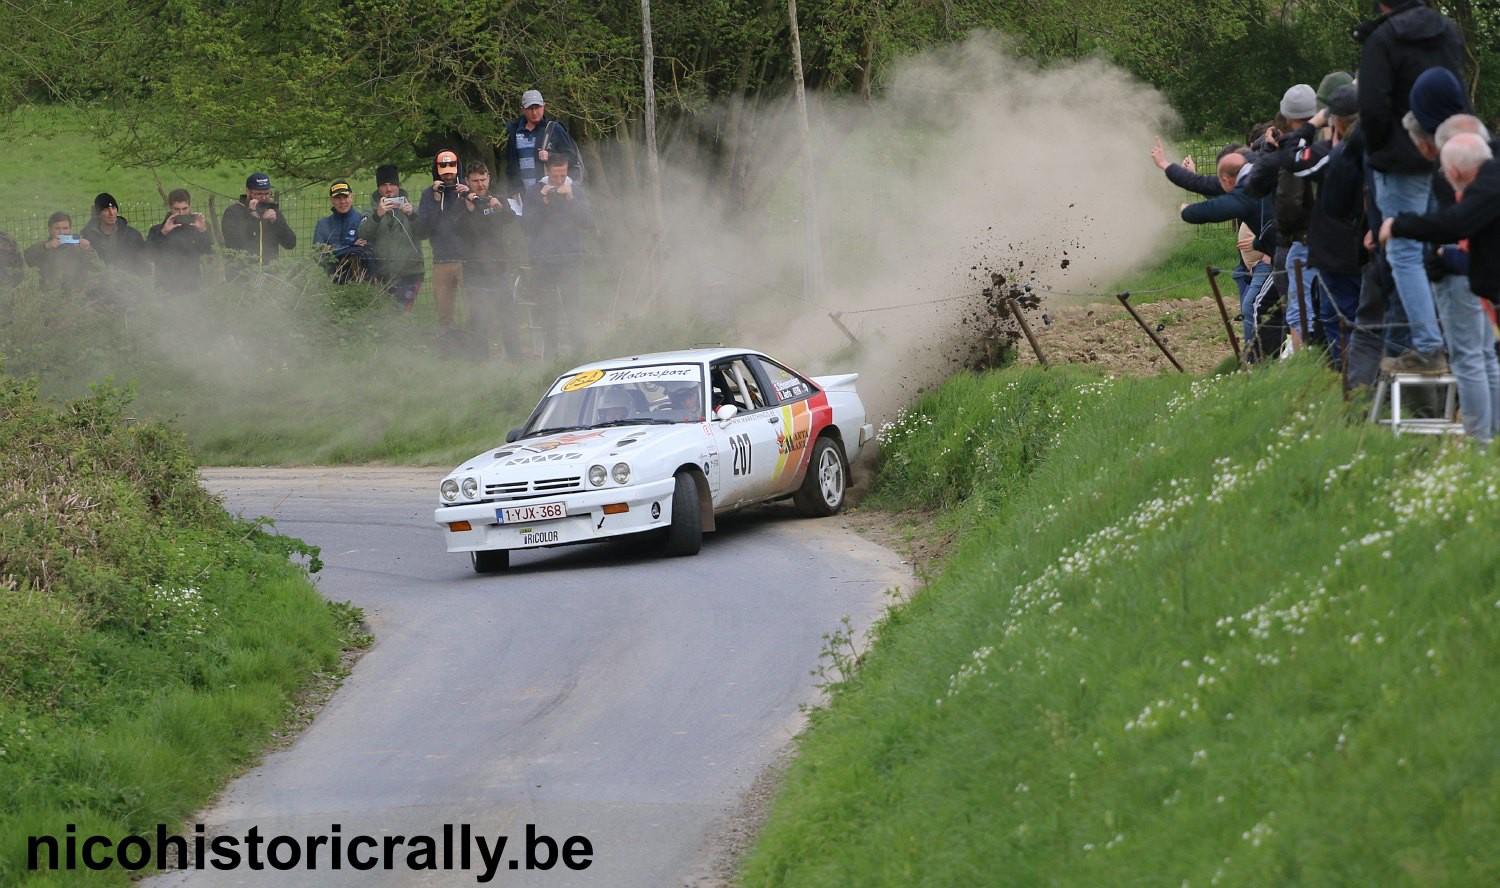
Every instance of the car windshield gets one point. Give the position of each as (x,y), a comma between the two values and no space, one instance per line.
(660,394)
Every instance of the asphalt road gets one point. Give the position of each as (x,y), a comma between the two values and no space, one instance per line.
(590,691)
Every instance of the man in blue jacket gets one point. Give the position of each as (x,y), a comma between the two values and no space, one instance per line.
(1262,330)
(532,138)
(341,251)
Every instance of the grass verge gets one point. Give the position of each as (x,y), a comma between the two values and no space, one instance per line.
(1195,631)
(149,643)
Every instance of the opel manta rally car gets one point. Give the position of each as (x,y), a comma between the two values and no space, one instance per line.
(656,446)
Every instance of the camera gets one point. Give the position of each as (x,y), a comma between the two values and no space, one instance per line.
(264,205)
(477,197)
(67,238)
(392,201)
(183,219)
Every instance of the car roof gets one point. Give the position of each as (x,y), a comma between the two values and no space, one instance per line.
(682,356)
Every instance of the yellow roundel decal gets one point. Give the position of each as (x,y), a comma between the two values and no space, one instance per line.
(583,380)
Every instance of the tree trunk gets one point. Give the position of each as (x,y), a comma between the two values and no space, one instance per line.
(812,251)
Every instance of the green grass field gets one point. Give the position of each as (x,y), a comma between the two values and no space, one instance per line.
(1194,632)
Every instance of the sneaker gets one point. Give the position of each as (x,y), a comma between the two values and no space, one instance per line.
(1413,361)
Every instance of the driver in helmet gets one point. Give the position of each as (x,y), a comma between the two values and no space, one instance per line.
(614,405)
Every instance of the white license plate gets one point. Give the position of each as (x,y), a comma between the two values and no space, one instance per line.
(533,512)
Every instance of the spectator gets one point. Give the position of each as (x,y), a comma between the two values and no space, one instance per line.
(438,218)
(1335,231)
(255,227)
(487,286)
(395,244)
(1278,172)
(12,263)
(532,138)
(1407,39)
(179,243)
(341,251)
(1258,215)
(1469,166)
(63,260)
(113,240)
(555,214)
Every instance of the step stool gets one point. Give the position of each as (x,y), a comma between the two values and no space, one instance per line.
(1388,399)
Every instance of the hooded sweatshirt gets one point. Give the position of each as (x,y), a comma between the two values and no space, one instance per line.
(394,241)
(440,218)
(1399,46)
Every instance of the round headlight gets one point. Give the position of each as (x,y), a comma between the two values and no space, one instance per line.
(449,490)
(470,488)
(597,475)
(621,473)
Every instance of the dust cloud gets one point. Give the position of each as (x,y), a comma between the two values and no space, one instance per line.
(971,162)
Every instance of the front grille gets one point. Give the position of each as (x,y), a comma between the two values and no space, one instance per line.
(539,487)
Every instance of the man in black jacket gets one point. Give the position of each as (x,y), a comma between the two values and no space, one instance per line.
(179,243)
(486,228)
(1407,39)
(120,246)
(255,227)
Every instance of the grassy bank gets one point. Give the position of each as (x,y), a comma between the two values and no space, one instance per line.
(149,643)
(1194,632)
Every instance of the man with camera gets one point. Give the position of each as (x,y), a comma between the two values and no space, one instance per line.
(255,227)
(390,229)
(531,139)
(486,284)
(556,213)
(64,259)
(179,242)
(341,251)
(439,216)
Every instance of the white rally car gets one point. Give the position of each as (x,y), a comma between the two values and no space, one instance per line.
(625,447)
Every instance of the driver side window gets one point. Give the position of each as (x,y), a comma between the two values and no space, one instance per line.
(733,382)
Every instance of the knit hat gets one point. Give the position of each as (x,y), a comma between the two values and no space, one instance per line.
(258,182)
(387,174)
(1331,82)
(1299,103)
(105,200)
(1436,96)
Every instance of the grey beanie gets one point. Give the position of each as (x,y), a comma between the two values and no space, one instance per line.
(1299,103)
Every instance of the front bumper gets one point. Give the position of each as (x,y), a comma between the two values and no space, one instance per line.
(649,506)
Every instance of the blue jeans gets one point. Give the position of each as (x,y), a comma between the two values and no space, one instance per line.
(1340,300)
(1410,193)
(1294,305)
(1253,301)
(1471,355)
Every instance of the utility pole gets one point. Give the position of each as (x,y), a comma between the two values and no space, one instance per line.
(812,248)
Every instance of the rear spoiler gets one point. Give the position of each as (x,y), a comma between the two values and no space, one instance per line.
(844,382)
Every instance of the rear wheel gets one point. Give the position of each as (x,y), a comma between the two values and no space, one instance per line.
(685,536)
(490,560)
(822,491)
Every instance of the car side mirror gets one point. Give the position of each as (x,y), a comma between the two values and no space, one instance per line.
(512,435)
(725,411)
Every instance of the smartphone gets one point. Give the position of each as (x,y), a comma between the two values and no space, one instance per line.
(67,238)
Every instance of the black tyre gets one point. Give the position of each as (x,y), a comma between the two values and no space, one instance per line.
(822,491)
(490,560)
(685,536)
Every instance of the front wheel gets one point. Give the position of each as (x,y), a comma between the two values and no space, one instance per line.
(685,536)
(822,490)
(490,560)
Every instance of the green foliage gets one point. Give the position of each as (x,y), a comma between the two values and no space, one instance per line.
(1219,631)
(149,643)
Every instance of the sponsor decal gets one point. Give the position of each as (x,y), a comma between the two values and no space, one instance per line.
(583,380)
(569,440)
(638,374)
(538,538)
(792,388)
(786,444)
